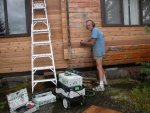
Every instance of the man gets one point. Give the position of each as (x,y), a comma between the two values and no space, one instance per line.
(97,43)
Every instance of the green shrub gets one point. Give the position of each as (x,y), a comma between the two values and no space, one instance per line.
(147,29)
(140,98)
(145,68)
(2,105)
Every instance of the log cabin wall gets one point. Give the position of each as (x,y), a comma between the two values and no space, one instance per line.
(15,55)
(123,44)
(15,52)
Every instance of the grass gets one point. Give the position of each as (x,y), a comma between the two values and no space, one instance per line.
(131,94)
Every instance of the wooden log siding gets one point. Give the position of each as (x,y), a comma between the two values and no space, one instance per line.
(15,53)
(123,44)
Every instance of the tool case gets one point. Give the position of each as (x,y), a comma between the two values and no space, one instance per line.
(19,102)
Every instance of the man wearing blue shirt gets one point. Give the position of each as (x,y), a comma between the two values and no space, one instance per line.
(98,48)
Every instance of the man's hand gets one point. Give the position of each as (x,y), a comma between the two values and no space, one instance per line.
(82,42)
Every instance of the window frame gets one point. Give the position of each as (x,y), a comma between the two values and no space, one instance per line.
(103,14)
(28,21)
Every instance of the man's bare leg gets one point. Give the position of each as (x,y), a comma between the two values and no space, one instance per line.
(100,87)
(100,70)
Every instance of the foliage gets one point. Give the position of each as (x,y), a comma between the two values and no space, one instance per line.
(145,68)
(147,29)
(140,98)
(2,105)
(1,26)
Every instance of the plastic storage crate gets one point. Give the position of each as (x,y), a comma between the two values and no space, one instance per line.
(19,102)
(70,79)
(44,98)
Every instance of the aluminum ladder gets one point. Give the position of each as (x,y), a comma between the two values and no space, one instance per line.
(42,58)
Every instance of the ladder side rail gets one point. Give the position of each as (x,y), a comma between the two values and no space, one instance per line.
(32,39)
(49,36)
(46,16)
(32,73)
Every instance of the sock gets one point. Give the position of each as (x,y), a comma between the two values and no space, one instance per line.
(104,80)
(101,84)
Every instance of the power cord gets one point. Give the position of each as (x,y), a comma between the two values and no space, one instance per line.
(89,93)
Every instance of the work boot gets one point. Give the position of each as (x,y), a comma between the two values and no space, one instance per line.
(98,88)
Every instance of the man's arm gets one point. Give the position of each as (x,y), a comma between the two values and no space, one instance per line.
(89,42)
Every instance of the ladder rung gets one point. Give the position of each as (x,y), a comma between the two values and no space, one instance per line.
(41,43)
(39,5)
(40,31)
(40,19)
(44,80)
(43,68)
(42,55)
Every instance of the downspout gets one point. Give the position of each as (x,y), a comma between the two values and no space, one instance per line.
(68,30)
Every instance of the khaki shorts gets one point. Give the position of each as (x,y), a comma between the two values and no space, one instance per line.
(98,57)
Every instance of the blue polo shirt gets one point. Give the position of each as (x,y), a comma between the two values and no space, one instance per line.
(99,47)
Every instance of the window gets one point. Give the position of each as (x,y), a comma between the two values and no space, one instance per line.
(14,17)
(125,12)
(146,11)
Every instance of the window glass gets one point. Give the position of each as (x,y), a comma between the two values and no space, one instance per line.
(16,16)
(2,18)
(131,12)
(134,12)
(146,11)
(112,12)
(126,12)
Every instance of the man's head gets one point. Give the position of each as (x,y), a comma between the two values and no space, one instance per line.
(90,24)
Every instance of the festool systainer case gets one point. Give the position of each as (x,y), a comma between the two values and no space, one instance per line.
(18,102)
(44,98)
(70,79)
